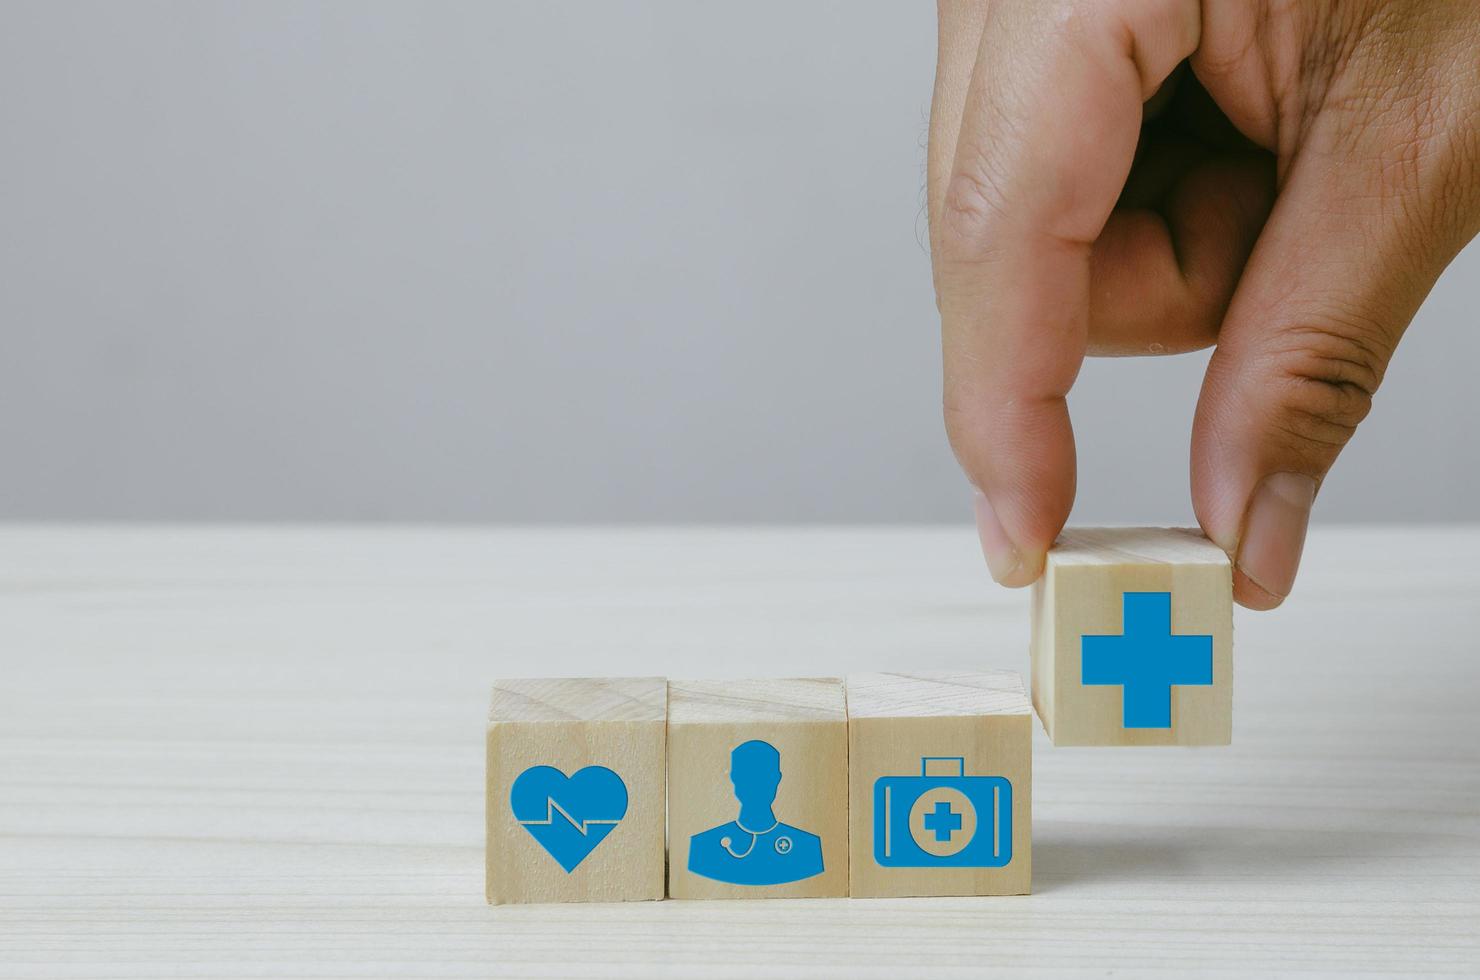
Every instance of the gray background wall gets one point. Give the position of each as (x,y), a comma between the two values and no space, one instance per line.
(640,261)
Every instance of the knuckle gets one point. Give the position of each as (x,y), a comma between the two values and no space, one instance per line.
(1330,369)
(960,420)
(962,432)
(971,210)
(1318,417)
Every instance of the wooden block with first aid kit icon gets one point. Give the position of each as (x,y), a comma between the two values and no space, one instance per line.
(757,789)
(575,790)
(1133,638)
(940,772)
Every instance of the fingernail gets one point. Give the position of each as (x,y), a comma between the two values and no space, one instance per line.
(1274,531)
(1002,555)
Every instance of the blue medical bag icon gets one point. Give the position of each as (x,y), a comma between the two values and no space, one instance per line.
(943,821)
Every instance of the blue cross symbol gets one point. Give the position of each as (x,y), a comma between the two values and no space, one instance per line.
(1147,659)
(942,821)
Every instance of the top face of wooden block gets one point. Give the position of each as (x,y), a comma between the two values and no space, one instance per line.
(547,699)
(1134,546)
(937,694)
(728,702)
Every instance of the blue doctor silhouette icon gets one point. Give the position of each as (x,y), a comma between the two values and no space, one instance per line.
(755,848)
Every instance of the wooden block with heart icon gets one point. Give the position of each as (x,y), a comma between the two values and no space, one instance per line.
(576,790)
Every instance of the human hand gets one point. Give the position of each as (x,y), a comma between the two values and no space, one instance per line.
(1290,193)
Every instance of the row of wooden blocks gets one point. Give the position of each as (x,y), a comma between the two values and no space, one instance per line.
(802,788)
(883,785)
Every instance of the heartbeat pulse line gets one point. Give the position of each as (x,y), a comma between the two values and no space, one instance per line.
(552,808)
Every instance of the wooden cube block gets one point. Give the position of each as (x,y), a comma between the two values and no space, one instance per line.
(757,789)
(1133,639)
(576,771)
(940,774)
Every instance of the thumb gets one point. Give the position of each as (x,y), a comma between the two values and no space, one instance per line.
(1360,232)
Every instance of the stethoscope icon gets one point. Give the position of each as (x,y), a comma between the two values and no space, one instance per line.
(782,843)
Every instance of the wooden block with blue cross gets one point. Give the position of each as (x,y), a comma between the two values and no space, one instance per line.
(1133,639)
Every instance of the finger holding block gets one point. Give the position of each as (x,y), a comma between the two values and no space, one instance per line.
(575,790)
(757,789)
(940,784)
(1133,639)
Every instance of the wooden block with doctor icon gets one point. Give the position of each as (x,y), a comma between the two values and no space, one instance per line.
(940,784)
(757,789)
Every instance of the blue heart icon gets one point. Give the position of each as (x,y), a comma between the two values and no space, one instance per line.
(568,815)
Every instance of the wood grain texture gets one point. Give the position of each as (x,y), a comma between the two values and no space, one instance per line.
(570,723)
(534,700)
(1081,593)
(895,721)
(259,752)
(805,720)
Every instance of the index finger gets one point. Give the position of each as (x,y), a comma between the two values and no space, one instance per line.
(1048,126)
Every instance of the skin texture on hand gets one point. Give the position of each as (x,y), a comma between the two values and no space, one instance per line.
(1285,180)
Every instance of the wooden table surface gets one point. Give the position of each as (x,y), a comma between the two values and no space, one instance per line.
(241,752)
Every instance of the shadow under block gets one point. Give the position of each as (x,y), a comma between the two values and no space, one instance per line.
(1133,639)
(757,789)
(589,828)
(940,784)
